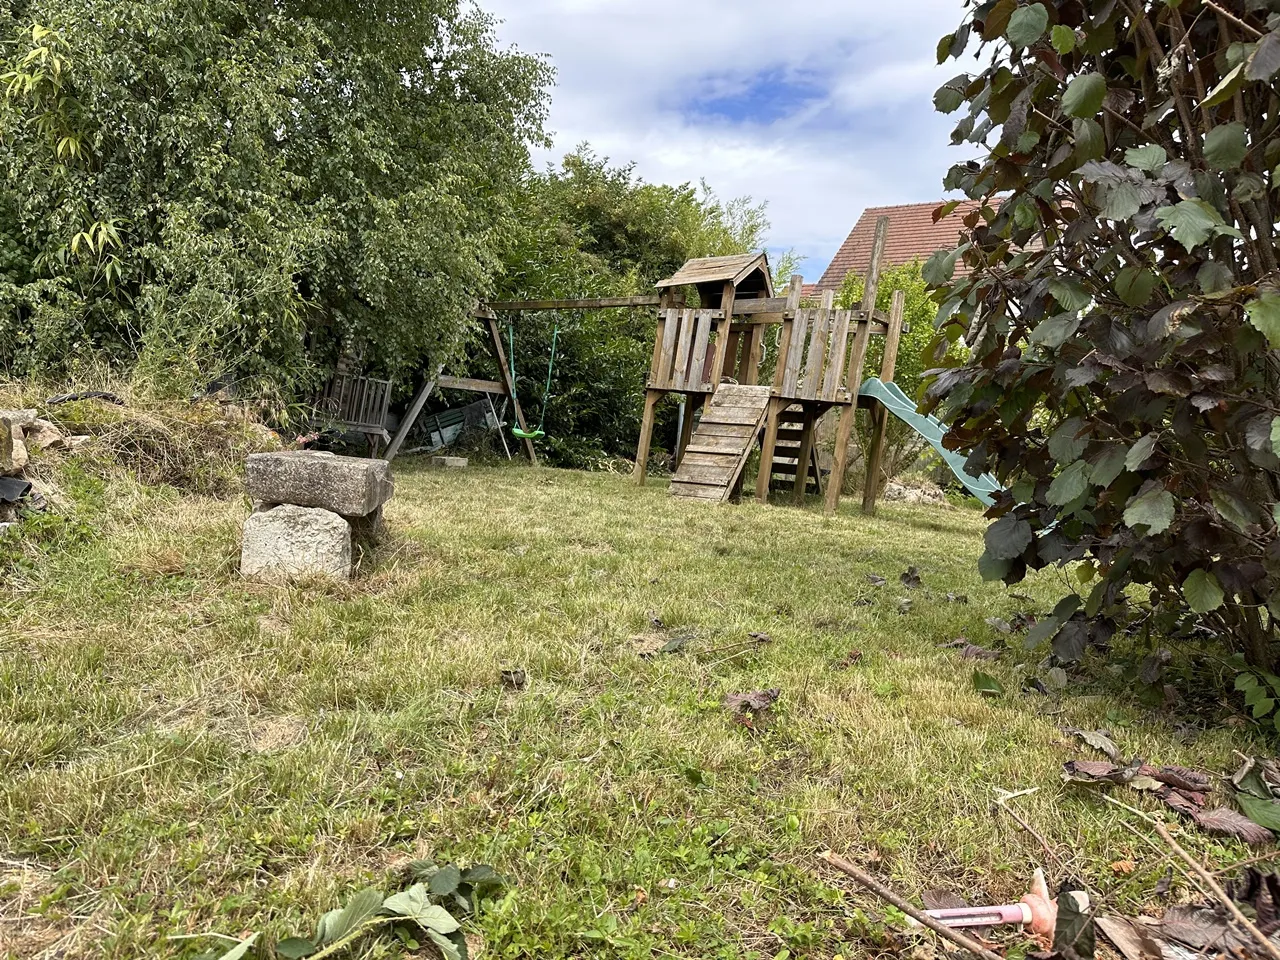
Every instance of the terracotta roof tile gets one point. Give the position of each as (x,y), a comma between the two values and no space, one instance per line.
(912,236)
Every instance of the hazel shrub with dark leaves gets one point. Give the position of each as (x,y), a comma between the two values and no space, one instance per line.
(1121,308)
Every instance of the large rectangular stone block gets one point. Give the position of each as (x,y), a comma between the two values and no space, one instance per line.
(289,541)
(351,486)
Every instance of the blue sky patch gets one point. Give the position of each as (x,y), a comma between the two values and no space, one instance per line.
(765,97)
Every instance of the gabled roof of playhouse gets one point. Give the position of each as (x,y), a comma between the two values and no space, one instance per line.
(749,271)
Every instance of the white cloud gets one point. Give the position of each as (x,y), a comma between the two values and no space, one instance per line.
(861,131)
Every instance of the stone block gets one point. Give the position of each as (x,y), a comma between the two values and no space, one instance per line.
(291,541)
(43,435)
(13,451)
(449,463)
(351,486)
(366,530)
(19,418)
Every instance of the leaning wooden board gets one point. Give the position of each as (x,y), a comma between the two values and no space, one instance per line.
(721,443)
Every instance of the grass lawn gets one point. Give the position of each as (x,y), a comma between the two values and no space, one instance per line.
(182,752)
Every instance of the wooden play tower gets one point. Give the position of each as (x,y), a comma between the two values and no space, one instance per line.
(712,355)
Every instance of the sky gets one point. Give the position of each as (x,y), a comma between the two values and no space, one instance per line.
(818,107)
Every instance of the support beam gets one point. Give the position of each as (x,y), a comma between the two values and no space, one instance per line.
(651,398)
(411,416)
(470,385)
(853,377)
(585,303)
(879,415)
(767,448)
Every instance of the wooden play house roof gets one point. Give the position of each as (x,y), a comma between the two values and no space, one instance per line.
(748,272)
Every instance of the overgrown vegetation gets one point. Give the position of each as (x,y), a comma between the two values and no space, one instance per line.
(590,229)
(220,190)
(1123,310)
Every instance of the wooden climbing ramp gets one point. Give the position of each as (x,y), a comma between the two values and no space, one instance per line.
(718,451)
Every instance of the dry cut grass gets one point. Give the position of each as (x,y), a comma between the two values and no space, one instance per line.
(182,752)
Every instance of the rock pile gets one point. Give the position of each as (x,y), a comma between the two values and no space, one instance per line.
(22,431)
(308,505)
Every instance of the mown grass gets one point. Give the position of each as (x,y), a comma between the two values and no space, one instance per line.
(183,752)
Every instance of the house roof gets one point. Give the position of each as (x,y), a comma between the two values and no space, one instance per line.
(737,269)
(912,236)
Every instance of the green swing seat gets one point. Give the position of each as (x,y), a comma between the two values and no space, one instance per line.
(538,432)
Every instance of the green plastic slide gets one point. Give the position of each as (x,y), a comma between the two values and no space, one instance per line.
(903,407)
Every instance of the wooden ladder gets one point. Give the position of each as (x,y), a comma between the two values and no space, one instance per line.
(787,450)
(722,442)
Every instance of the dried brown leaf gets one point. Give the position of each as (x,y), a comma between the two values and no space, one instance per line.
(1232,824)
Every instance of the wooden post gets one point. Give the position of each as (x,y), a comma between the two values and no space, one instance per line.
(731,357)
(853,377)
(722,334)
(776,406)
(879,415)
(496,338)
(751,356)
(692,404)
(411,416)
(651,398)
(809,427)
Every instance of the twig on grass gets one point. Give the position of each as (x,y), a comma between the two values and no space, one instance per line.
(1002,801)
(1247,924)
(884,893)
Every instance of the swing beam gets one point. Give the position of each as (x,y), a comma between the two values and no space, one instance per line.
(487,314)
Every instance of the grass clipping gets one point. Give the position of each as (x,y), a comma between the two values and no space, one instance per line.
(198,447)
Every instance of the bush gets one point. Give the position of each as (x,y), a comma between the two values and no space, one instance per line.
(1122,311)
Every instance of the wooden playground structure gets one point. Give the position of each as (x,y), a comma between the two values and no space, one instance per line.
(711,355)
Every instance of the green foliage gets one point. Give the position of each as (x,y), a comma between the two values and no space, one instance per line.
(1121,308)
(587,229)
(369,910)
(902,444)
(226,190)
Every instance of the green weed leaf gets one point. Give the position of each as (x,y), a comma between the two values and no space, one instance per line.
(1265,813)
(987,685)
(415,904)
(294,948)
(240,949)
(336,924)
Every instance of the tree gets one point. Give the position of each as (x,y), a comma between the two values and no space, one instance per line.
(226,189)
(1122,312)
(903,445)
(588,229)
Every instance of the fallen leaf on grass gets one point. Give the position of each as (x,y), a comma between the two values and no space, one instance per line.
(1133,939)
(998,625)
(1098,739)
(1265,813)
(956,598)
(1232,824)
(987,685)
(753,702)
(1123,867)
(850,659)
(514,679)
(760,637)
(1165,885)
(1021,622)
(910,578)
(876,580)
(904,605)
